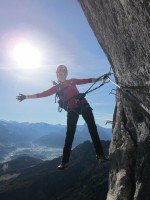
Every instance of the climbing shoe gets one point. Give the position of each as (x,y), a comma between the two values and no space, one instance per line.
(63,165)
(101,158)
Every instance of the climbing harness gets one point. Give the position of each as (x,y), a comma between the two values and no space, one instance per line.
(62,104)
(79,97)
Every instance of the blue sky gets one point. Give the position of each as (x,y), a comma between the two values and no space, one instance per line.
(61,33)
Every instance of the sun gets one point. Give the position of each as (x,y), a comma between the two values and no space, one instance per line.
(26,55)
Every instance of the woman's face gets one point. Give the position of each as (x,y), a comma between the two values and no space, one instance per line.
(61,76)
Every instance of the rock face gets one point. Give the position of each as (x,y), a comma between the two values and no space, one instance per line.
(122,28)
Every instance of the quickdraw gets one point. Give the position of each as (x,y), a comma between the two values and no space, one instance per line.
(103,78)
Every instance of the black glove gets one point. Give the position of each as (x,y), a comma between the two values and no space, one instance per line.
(21,97)
(107,75)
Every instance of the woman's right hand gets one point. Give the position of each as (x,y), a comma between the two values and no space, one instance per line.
(21,97)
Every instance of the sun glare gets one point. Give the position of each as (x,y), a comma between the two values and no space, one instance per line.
(26,55)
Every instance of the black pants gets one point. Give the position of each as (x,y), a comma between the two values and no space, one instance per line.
(72,119)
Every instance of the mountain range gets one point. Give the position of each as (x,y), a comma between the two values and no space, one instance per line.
(22,133)
(39,139)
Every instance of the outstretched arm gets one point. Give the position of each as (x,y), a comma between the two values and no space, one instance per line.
(84,81)
(46,93)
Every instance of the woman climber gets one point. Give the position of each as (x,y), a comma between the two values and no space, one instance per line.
(75,104)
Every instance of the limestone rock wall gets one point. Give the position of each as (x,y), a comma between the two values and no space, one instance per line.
(122,28)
